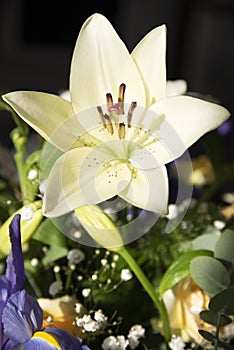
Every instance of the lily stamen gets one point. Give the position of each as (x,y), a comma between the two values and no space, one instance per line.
(130,113)
(122,88)
(121,131)
(109,100)
(101,114)
(108,124)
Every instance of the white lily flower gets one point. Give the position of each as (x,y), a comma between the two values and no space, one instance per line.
(119,129)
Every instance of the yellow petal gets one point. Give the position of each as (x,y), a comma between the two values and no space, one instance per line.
(148,190)
(61,311)
(48,338)
(100,63)
(150,58)
(81,177)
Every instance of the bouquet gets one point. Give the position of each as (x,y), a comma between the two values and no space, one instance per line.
(112,237)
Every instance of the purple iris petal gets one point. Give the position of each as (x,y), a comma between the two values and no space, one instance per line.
(32,344)
(39,344)
(21,317)
(15,262)
(225,128)
(3,297)
(66,340)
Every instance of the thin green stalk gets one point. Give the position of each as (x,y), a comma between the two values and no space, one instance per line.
(149,288)
(19,161)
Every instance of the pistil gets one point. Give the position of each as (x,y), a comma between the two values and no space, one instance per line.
(112,121)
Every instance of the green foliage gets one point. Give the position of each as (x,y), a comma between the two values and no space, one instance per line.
(224,249)
(214,318)
(49,234)
(179,269)
(209,274)
(223,302)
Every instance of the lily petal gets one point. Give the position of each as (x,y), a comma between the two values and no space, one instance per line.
(150,58)
(148,190)
(50,115)
(81,177)
(100,63)
(176,87)
(15,263)
(186,119)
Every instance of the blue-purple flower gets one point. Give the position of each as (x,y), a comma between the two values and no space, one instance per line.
(20,314)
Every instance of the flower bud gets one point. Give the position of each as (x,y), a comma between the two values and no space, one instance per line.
(27,226)
(100,227)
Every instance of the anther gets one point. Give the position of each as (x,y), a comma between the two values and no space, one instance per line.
(121,131)
(109,100)
(121,97)
(130,113)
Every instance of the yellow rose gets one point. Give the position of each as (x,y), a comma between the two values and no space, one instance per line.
(59,313)
(184,303)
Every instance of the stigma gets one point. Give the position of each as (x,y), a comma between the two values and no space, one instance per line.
(115,119)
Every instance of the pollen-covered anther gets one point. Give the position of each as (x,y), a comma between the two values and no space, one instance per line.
(130,113)
(109,100)
(121,131)
(122,88)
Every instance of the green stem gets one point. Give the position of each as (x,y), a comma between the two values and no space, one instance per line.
(19,161)
(68,279)
(149,288)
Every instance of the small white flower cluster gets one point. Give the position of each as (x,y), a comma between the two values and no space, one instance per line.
(126,275)
(115,343)
(121,343)
(176,343)
(90,324)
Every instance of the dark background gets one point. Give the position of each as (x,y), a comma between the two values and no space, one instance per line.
(37,39)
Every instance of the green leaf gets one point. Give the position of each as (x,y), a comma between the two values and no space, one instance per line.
(208,336)
(223,302)
(214,340)
(224,249)
(209,274)
(215,318)
(33,158)
(48,233)
(207,240)
(53,254)
(179,269)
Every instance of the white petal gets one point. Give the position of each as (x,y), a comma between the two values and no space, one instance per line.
(186,120)
(100,63)
(150,57)
(176,87)
(51,116)
(83,176)
(148,190)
